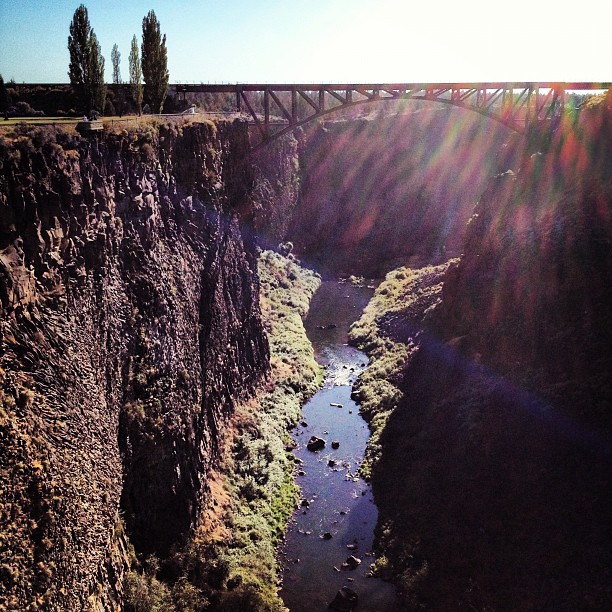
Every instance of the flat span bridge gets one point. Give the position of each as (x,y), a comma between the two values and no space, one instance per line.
(279,108)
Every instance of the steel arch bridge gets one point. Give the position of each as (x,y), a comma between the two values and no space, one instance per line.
(275,109)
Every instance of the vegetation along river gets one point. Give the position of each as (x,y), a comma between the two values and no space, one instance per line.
(337,515)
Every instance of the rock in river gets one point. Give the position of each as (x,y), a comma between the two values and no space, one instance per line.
(315,444)
(345,600)
(351,563)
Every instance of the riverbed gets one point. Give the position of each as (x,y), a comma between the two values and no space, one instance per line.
(337,514)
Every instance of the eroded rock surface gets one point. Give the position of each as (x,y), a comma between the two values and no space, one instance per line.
(129,326)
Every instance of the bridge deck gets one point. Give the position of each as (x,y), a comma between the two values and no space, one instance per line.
(237,87)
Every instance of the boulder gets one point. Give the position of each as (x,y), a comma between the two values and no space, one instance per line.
(351,563)
(345,600)
(315,444)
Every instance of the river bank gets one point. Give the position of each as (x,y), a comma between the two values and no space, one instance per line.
(256,477)
(329,542)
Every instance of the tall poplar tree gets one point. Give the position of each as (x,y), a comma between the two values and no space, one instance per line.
(116,60)
(97,88)
(86,68)
(135,74)
(154,63)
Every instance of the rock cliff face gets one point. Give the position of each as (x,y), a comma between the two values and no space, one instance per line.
(502,441)
(129,326)
(378,191)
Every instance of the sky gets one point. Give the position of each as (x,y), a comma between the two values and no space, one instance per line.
(325,41)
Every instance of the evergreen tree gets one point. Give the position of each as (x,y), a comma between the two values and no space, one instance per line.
(135,74)
(116,59)
(154,63)
(78,47)
(86,68)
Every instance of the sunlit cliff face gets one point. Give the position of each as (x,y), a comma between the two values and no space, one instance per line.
(377,190)
(539,246)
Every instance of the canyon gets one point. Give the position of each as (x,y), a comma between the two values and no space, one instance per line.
(153,358)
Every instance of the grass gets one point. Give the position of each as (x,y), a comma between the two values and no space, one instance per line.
(230,563)
(124,120)
(259,471)
(12,121)
(379,332)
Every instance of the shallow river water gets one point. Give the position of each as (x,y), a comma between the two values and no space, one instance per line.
(340,503)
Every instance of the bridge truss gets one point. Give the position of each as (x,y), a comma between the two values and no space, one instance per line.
(275,109)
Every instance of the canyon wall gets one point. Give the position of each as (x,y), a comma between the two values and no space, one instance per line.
(379,191)
(493,454)
(129,327)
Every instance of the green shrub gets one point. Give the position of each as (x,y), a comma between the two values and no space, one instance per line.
(144,593)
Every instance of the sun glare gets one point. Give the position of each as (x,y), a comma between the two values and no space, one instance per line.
(448,41)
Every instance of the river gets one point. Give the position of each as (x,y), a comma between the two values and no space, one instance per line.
(338,514)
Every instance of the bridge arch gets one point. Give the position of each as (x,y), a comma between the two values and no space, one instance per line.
(281,131)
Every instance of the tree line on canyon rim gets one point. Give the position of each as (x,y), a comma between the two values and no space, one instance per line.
(89,94)
(86,69)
